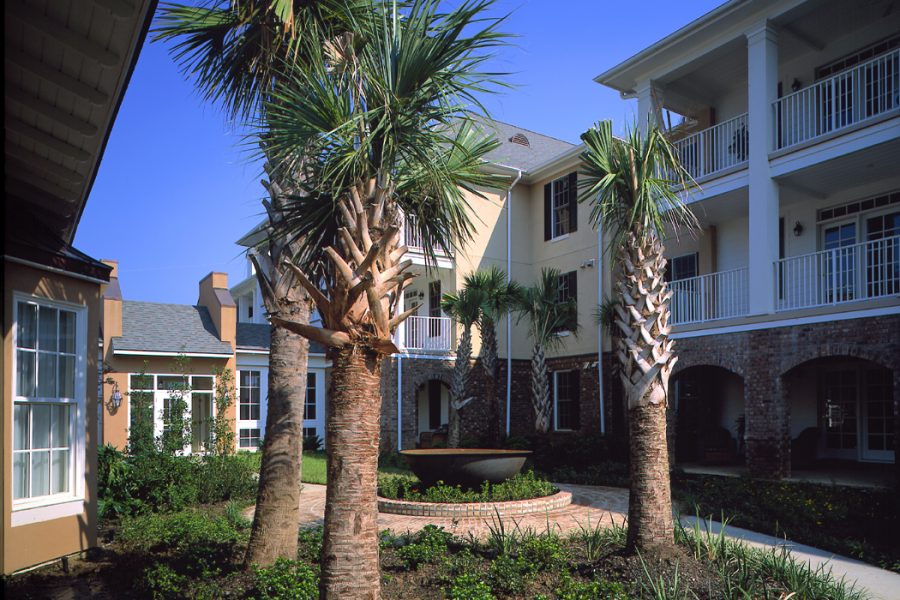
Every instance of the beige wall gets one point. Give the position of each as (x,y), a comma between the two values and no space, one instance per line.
(27,545)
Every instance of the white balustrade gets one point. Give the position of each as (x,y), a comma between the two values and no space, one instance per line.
(721,295)
(413,240)
(858,272)
(852,96)
(720,147)
(428,334)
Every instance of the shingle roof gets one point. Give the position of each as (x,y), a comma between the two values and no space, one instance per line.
(153,327)
(255,336)
(539,149)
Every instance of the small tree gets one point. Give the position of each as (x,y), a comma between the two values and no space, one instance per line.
(221,441)
(465,308)
(547,315)
(177,429)
(141,441)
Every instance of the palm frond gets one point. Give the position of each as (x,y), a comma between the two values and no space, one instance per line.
(546,315)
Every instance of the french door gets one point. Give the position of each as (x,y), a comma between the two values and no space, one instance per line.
(839,263)
(857,414)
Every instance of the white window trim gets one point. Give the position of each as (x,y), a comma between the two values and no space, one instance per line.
(555,392)
(44,508)
(553,236)
(263,407)
(159,406)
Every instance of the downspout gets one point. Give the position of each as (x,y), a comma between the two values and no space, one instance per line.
(508,314)
(399,403)
(600,329)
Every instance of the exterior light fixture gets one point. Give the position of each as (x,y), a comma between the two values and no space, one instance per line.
(116,398)
(798,228)
(796,85)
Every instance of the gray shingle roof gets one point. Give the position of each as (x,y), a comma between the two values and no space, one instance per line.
(153,327)
(255,336)
(540,148)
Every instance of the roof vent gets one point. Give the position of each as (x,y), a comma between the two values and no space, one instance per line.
(520,139)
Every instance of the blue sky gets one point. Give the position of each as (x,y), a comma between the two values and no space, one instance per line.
(175,188)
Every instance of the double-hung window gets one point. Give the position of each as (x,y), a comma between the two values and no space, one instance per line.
(249,409)
(561,207)
(568,292)
(48,401)
(566,400)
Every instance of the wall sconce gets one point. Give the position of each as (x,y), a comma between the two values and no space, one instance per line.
(796,85)
(116,398)
(798,228)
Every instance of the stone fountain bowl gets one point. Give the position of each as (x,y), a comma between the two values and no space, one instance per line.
(465,466)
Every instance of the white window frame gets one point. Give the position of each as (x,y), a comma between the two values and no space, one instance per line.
(555,392)
(160,397)
(263,406)
(33,510)
(553,219)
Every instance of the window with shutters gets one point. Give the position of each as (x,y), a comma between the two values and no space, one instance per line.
(561,207)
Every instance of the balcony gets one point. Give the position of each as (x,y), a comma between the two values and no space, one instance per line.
(848,274)
(413,241)
(716,149)
(721,295)
(425,334)
(853,96)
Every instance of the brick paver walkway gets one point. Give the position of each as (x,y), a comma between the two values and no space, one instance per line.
(590,504)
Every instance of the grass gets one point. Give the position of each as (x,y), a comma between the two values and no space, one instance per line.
(315,470)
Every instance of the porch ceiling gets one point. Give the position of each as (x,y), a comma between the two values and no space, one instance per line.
(67,63)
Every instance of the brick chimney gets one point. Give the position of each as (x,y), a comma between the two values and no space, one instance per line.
(214,295)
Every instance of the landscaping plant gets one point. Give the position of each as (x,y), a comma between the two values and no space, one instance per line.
(630,184)
(465,308)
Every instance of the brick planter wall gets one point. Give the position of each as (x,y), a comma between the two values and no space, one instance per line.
(476,510)
(765,359)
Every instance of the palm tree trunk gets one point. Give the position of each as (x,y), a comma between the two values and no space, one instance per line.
(277,516)
(459,385)
(647,357)
(350,561)
(489,362)
(540,390)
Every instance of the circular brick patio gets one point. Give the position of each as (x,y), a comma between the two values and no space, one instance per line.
(476,510)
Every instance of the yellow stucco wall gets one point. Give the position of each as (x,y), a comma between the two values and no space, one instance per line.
(26,545)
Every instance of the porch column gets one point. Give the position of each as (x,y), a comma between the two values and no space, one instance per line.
(762,90)
(646,90)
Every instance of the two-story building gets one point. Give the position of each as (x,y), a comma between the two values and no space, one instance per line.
(786,306)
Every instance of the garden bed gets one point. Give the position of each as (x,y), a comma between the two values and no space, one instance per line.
(524,486)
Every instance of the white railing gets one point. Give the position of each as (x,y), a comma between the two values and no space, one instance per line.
(413,240)
(852,96)
(715,149)
(857,272)
(428,334)
(720,295)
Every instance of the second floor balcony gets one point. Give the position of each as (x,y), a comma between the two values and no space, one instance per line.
(425,334)
(416,245)
(714,150)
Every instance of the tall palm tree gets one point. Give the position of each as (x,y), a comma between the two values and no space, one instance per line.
(378,125)
(499,295)
(630,184)
(465,308)
(547,316)
(232,50)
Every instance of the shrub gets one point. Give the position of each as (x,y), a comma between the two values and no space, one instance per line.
(545,551)
(509,574)
(523,486)
(599,589)
(427,546)
(223,478)
(163,583)
(286,580)
(469,587)
(312,443)
(309,544)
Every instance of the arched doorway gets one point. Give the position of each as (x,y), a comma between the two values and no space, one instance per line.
(708,416)
(842,409)
(432,412)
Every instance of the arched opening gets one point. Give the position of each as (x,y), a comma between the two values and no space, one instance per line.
(842,410)
(709,416)
(432,413)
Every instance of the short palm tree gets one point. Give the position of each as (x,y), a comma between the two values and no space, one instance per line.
(630,184)
(547,316)
(465,308)
(498,298)
(378,125)
(232,50)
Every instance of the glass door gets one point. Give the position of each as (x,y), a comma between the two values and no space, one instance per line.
(883,255)
(878,421)
(838,266)
(839,399)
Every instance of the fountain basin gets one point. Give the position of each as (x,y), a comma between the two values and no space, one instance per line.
(465,466)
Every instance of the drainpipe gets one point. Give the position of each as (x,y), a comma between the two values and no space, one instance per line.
(600,328)
(508,314)
(399,403)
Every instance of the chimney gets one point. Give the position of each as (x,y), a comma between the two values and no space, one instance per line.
(214,295)
(112,303)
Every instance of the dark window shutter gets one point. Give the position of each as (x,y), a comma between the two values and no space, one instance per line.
(548,222)
(573,202)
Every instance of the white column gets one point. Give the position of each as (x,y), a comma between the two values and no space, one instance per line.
(646,113)
(762,90)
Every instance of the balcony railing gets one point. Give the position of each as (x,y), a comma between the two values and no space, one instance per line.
(857,272)
(721,295)
(715,149)
(413,240)
(852,96)
(425,334)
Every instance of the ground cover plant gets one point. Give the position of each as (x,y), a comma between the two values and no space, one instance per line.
(522,486)
(197,554)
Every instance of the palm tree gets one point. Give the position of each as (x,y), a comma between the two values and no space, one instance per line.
(499,295)
(378,125)
(630,184)
(465,308)
(547,316)
(232,49)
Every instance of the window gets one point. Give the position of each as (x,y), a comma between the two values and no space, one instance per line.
(434,308)
(45,404)
(249,396)
(309,409)
(248,438)
(568,291)
(682,267)
(566,396)
(561,206)
(140,400)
